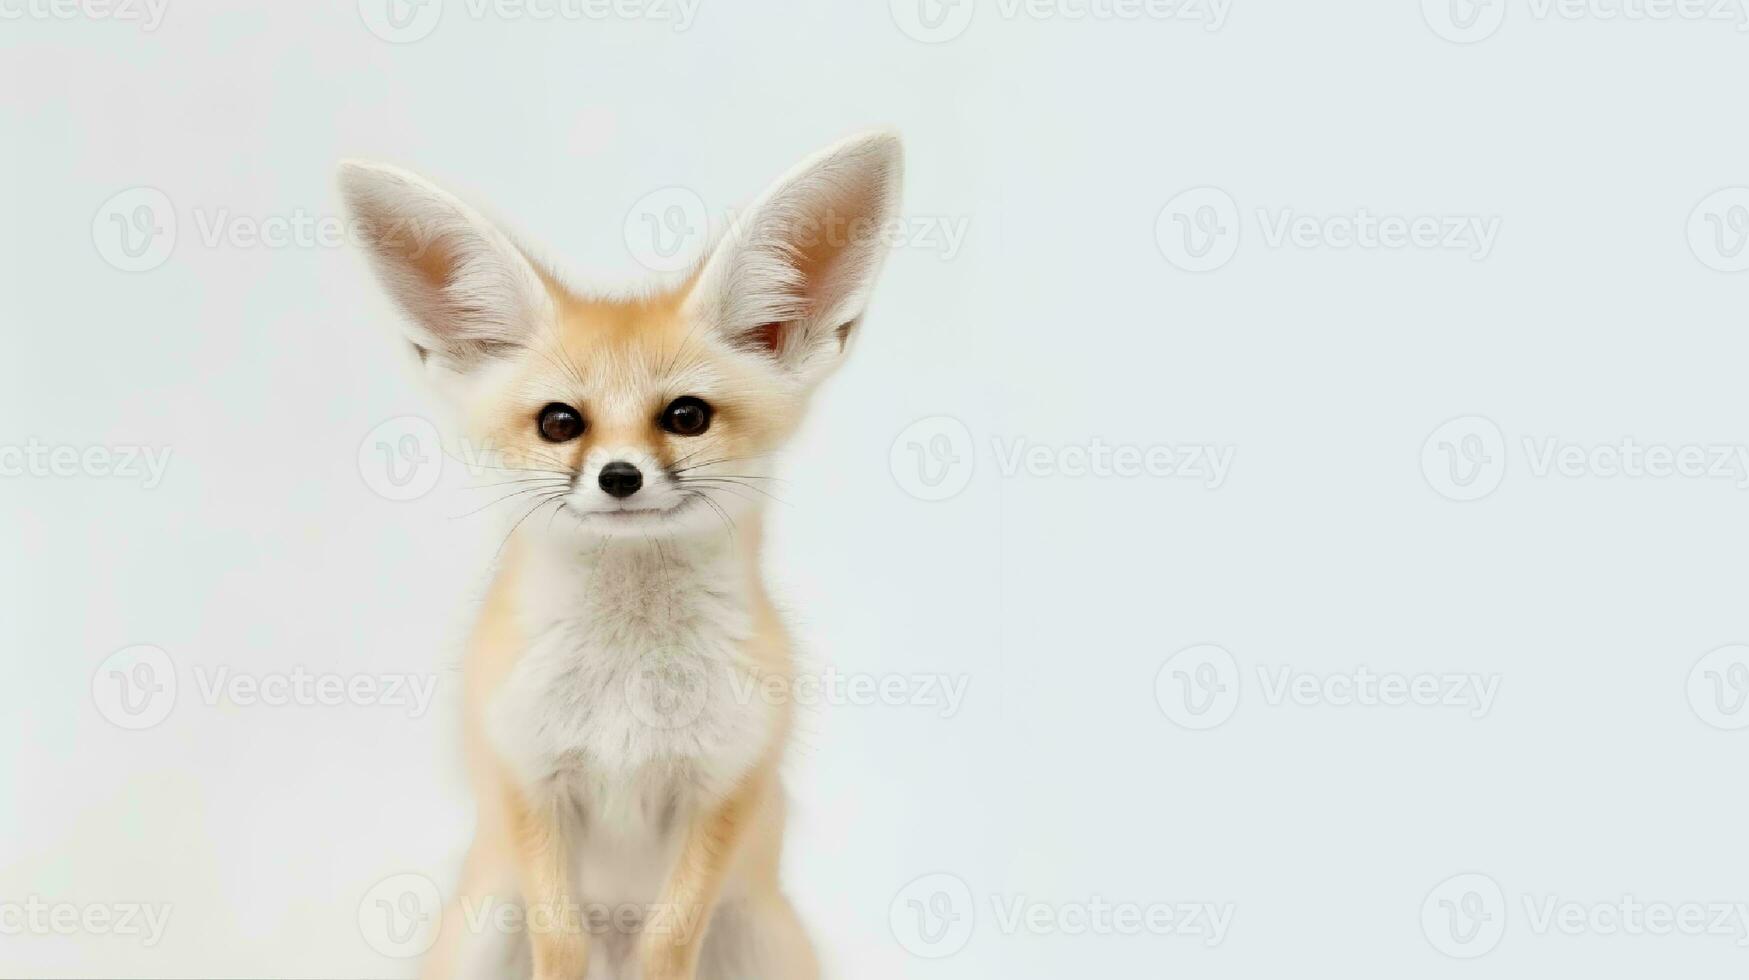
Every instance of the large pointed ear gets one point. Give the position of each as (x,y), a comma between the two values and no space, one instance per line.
(469,293)
(792,276)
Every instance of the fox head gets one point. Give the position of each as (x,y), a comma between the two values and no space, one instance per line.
(655,415)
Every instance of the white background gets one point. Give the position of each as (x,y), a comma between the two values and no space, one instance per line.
(1069,776)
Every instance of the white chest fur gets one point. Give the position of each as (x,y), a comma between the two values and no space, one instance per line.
(635,695)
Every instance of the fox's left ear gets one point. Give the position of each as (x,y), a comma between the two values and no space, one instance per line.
(793,275)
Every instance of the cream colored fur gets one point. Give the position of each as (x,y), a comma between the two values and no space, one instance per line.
(630,813)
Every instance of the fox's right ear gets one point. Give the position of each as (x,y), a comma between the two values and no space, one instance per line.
(470,294)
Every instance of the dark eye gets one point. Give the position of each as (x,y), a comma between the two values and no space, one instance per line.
(686,416)
(560,423)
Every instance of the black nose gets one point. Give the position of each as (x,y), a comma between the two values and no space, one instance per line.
(620,479)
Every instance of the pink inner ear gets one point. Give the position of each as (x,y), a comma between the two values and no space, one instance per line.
(767,337)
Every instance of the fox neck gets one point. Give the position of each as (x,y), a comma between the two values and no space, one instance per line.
(639,577)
